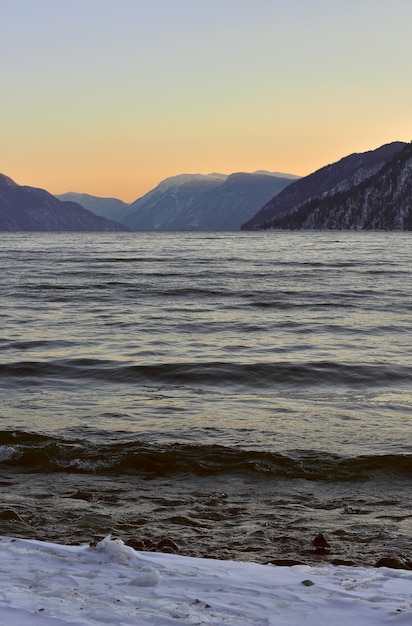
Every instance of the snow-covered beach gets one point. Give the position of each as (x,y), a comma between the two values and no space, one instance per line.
(45,584)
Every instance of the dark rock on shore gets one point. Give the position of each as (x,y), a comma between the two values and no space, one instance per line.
(320,544)
(285,562)
(167,545)
(147,545)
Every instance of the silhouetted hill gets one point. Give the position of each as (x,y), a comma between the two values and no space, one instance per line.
(336,177)
(29,208)
(381,202)
(110,208)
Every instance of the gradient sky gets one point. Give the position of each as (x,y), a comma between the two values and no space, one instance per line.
(108,97)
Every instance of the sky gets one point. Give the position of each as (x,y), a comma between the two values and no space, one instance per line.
(109,97)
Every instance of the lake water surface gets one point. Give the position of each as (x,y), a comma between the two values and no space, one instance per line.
(218,394)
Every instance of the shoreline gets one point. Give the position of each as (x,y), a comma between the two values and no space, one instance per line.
(320,555)
(47,584)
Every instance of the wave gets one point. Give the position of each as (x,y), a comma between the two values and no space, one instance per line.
(33,453)
(255,375)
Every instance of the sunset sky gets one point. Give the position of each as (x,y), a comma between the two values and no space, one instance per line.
(108,97)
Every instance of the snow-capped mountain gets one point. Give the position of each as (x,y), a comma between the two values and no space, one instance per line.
(200,202)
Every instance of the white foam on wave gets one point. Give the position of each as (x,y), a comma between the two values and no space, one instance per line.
(46,584)
(7,453)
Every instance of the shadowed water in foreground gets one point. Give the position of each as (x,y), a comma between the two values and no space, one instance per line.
(233,395)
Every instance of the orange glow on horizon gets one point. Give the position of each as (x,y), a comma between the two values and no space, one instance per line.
(110,103)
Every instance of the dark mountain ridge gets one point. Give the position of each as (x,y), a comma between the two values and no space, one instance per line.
(381,202)
(30,208)
(333,178)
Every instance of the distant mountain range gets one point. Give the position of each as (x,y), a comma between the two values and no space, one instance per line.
(29,208)
(110,208)
(361,191)
(199,202)
(370,190)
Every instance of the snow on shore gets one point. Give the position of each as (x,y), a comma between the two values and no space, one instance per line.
(44,584)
